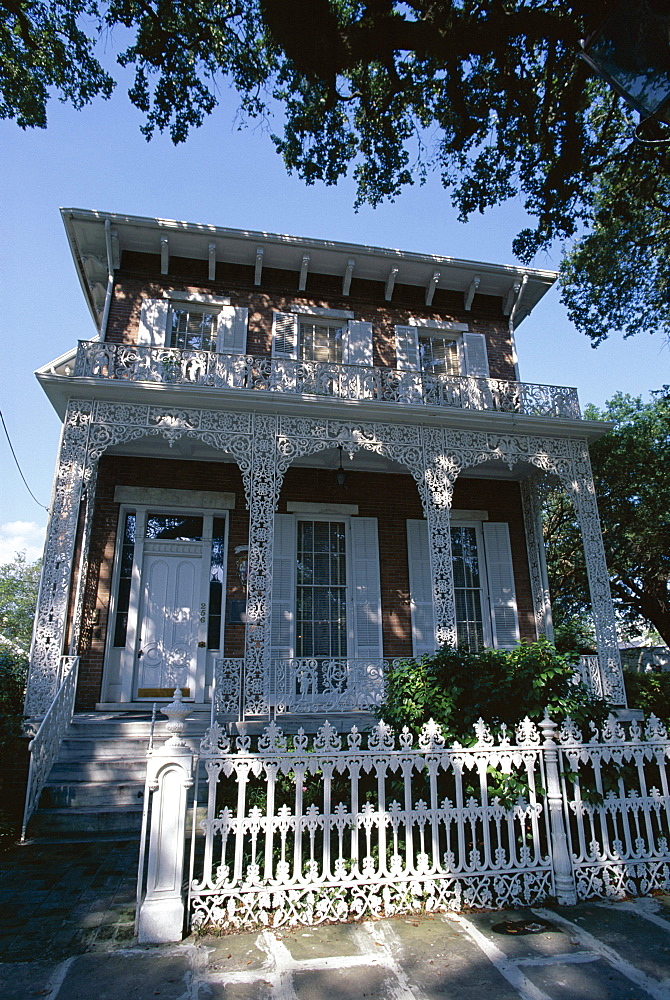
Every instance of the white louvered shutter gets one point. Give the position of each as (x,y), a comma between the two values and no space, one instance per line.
(500,578)
(152,330)
(284,335)
(231,334)
(367,591)
(358,343)
(476,358)
(407,348)
(420,588)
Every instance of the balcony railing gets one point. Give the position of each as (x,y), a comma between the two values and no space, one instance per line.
(170,366)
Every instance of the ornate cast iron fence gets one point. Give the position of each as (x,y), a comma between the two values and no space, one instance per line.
(301,831)
(360,382)
(617,802)
(46,742)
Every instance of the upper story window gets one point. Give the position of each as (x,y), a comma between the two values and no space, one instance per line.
(441,348)
(321,341)
(330,336)
(193,322)
(193,328)
(439,355)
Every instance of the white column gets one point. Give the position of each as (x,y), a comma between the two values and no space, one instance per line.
(262,495)
(537,563)
(582,492)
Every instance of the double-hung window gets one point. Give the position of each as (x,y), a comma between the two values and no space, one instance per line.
(320,340)
(193,322)
(484,593)
(319,350)
(431,354)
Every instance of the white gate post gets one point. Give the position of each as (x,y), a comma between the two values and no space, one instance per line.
(169,776)
(564,876)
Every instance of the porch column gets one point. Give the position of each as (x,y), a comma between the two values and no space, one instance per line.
(439,475)
(52,604)
(582,492)
(537,563)
(264,483)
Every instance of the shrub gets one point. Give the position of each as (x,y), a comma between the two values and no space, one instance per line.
(650,692)
(456,687)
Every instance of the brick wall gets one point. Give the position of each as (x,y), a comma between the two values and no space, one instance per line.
(392,499)
(140,276)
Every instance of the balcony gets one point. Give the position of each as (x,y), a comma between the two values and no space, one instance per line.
(169,366)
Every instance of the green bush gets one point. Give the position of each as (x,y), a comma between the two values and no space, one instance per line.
(650,692)
(456,687)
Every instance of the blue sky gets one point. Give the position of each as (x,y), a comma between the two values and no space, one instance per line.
(97,158)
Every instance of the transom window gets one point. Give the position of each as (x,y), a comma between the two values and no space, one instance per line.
(194,329)
(321,341)
(321,578)
(439,355)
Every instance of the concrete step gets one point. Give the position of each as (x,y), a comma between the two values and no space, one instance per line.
(47,823)
(91,795)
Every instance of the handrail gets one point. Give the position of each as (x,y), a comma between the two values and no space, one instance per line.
(46,743)
(173,366)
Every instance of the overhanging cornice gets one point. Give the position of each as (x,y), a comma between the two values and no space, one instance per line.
(167,238)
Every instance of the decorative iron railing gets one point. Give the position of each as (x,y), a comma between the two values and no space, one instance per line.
(171,366)
(589,670)
(46,743)
(328,684)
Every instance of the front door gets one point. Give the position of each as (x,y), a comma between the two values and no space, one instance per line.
(171,636)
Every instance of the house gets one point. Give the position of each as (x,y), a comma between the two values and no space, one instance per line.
(286,461)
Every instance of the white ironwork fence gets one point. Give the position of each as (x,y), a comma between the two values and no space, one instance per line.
(46,742)
(301,831)
(331,827)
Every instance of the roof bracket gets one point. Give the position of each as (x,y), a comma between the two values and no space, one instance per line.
(258,271)
(211,253)
(431,286)
(390,282)
(509,300)
(303,272)
(470,292)
(165,255)
(346,281)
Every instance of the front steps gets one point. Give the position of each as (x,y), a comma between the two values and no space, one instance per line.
(96,787)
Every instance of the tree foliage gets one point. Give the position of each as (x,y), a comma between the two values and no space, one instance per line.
(491,96)
(19,583)
(632,480)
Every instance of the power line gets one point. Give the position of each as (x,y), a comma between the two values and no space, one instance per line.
(11,448)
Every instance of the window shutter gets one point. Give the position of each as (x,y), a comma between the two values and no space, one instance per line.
(407,348)
(284,335)
(500,576)
(476,358)
(420,588)
(358,344)
(231,335)
(152,330)
(283,588)
(367,590)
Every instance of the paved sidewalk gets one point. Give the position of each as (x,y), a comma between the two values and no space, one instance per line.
(66,926)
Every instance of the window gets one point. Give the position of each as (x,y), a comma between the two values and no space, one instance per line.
(484,593)
(193,329)
(321,589)
(439,355)
(321,341)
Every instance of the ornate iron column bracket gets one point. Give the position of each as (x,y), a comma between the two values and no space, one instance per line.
(52,605)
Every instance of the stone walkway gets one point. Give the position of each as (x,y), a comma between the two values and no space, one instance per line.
(66,933)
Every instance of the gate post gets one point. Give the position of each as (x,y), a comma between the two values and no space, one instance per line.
(169,776)
(564,876)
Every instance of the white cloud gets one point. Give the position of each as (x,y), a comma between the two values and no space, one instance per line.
(21,536)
